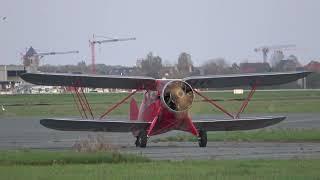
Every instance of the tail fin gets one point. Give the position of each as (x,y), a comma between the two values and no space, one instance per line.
(134,111)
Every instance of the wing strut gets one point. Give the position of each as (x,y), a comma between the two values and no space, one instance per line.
(73,92)
(118,104)
(215,104)
(82,101)
(154,121)
(246,101)
(221,108)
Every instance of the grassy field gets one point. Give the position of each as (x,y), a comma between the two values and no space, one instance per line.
(63,104)
(263,135)
(38,157)
(35,165)
(230,169)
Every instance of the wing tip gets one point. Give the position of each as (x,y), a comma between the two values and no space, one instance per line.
(24,75)
(44,122)
(27,77)
(278,119)
(307,73)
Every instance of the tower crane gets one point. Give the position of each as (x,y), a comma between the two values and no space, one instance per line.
(266,49)
(56,53)
(94,42)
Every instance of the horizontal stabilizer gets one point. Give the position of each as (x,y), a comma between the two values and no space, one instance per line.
(236,80)
(237,124)
(93,125)
(94,81)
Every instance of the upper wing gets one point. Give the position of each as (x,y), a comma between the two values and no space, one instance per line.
(94,81)
(237,124)
(263,79)
(93,125)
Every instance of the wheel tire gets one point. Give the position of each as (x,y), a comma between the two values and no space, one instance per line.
(202,138)
(143,139)
(137,143)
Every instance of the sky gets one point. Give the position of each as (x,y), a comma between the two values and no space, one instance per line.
(206,29)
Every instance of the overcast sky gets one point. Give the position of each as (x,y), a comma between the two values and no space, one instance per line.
(205,28)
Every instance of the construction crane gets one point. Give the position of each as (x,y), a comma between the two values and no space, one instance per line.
(266,49)
(56,53)
(31,59)
(94,42)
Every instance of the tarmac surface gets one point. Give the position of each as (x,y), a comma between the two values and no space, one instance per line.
(20,133)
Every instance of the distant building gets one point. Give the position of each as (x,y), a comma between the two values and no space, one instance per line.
(31,60)
(11,72)
(122,71)
(10,75)
(254,67)
(168,71)
(139,63)
(313,66)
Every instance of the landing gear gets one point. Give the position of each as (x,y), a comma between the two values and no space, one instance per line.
(142,139)
(202,139)
(137,143)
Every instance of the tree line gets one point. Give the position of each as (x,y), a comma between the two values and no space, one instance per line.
(154,66)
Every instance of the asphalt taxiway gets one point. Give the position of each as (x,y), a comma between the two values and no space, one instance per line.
(20,133)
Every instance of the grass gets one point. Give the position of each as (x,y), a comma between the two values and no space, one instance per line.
(264,135)
(41,157)
(62,105)
(209,169)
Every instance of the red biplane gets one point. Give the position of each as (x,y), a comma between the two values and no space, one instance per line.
(165,103)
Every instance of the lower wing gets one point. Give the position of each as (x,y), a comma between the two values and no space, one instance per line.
(237,124)
(93,125)
(128,126)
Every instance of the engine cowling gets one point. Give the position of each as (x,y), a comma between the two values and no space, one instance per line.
(177,96)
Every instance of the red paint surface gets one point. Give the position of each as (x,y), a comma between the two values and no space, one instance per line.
(134,111)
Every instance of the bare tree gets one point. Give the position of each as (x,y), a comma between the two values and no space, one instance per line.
(185,65)
(215,66)
(235,68)
(276,57)
(151,65)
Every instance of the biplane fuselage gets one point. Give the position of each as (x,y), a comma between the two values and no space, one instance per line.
(153,108)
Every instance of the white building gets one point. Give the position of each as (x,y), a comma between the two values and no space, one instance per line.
(10,75)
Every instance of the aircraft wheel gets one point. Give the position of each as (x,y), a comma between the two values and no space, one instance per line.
(137,143)
(202,139)
(143,139)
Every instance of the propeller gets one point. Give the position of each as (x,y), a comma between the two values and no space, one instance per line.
(177,96)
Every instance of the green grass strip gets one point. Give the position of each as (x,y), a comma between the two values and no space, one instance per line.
(41,157)
(158,170)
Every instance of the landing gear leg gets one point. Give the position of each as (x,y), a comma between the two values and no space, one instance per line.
(142,139)
(202,139)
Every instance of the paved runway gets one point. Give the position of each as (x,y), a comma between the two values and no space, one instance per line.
(28,133)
